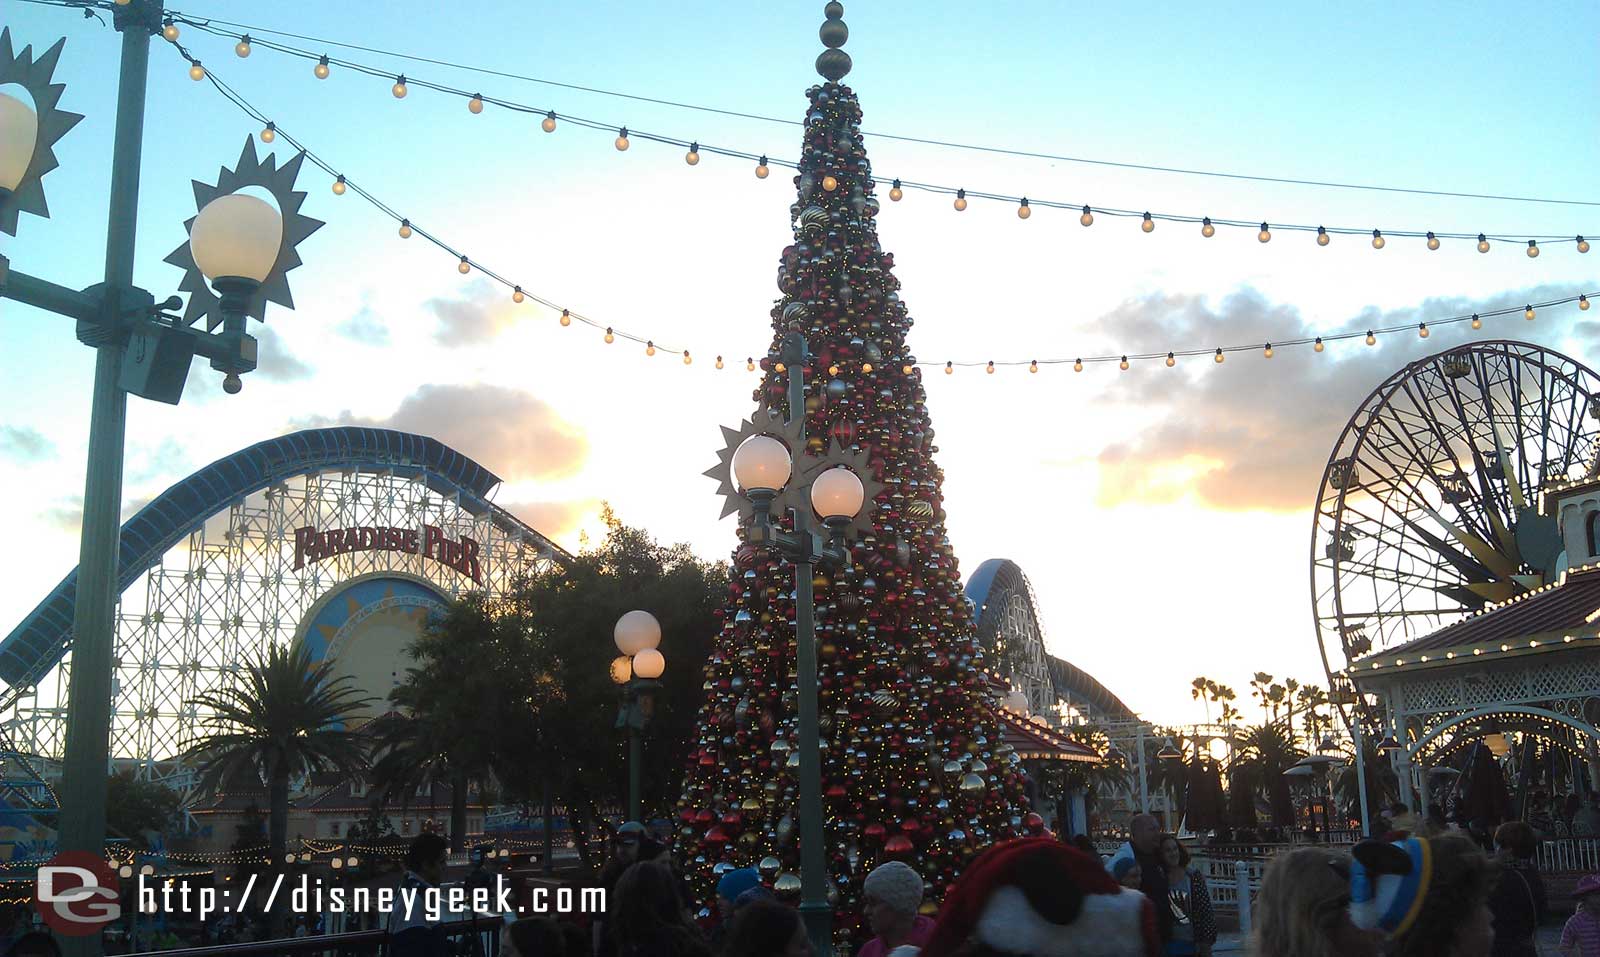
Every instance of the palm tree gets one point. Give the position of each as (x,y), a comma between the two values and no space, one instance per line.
(1312,700)
(286,717)
(446,714)
(1258,690)
(1265,752)
(1290,686)
(1202,691)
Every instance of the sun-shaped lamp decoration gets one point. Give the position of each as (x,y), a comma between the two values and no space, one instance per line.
(28,132)
(240,250)
(805,469)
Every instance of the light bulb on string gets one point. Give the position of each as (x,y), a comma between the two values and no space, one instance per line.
(1123,365)
(1483,243)
(866,368)
(1322,236)
(1218,358)
(548,124)
(1317,346)
(169,30)
(399,88)
(1527,313)
(961,200)
(719,362)
(990,369)
(610,336)
(566,318)
(1172,360)
(907,369)
(686,358)
(1533,249)
(516,294)
(339,186)
(196,71)
(1023,212)
(1372,340)
(895,192)
(1206,229)
(1148,225)
(1377,239)
(1433,241)
(761,168)
(833,370)
(649,348)
(1583,303)
(269,134)
(1265,235)
(1583,245)
(829,184)
(1267,351)
(321,71)
(749,364)
(464,266)
(1033,365)
(1077,365)
(1087,218)
(1422,330)
(621,142)
(1476,322)
(242,48)
(949,368)
(475,105)
(405,229)
(693,156)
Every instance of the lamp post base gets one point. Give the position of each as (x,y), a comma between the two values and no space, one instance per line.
(818,918)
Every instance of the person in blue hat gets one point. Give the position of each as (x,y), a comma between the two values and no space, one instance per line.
(735,888)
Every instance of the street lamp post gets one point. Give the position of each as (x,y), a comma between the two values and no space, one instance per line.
(240,244)
(765,472)
(638,669)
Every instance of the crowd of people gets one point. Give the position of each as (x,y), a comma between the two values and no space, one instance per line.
(1411,894)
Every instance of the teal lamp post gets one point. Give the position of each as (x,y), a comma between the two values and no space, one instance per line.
(638,669)
(238,246)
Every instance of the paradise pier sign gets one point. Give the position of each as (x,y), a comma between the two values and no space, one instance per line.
(313,546)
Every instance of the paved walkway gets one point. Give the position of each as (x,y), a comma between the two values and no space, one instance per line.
(1230,942)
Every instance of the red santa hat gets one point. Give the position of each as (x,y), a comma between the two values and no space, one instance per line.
(1039,897)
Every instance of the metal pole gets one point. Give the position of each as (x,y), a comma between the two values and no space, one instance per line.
(88,734)
(1144,786)
(635,751)
(814,908)
(549,837)
(1361,777)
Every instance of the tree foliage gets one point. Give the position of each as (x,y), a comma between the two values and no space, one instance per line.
(135,809)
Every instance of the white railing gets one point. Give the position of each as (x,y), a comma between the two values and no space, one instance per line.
(1569,854)
(1233,885)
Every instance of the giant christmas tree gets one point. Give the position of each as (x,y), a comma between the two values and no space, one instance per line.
(913,768)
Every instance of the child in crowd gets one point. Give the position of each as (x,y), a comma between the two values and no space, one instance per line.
(1581,936)
(1127,873)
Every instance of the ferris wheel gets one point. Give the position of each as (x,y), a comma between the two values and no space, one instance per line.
(1429,505)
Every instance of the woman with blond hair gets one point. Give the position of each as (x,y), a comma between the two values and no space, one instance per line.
(1303,909)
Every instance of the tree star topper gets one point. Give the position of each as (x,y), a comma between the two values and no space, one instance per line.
(34,76)
(796,493)
(279,181)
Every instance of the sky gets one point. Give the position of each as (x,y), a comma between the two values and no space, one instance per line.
(1162,515)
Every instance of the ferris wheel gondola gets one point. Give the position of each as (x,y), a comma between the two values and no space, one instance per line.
(1429,507)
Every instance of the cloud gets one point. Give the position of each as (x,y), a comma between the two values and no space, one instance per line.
(275,362)
(68,515)
(364,327)
(1259,437)
(511,433)
(476,317)
(169,460)
(554,519)
(22,444)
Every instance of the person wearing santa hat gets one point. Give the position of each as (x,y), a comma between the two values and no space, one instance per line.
(1038,897)
(891,896)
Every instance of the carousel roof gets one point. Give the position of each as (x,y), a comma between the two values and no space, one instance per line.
(1560,613)
(1035,740)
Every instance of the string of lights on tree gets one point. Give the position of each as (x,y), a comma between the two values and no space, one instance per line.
(343,184)
(401,85)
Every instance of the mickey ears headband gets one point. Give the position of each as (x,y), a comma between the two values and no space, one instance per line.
(1388,883)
